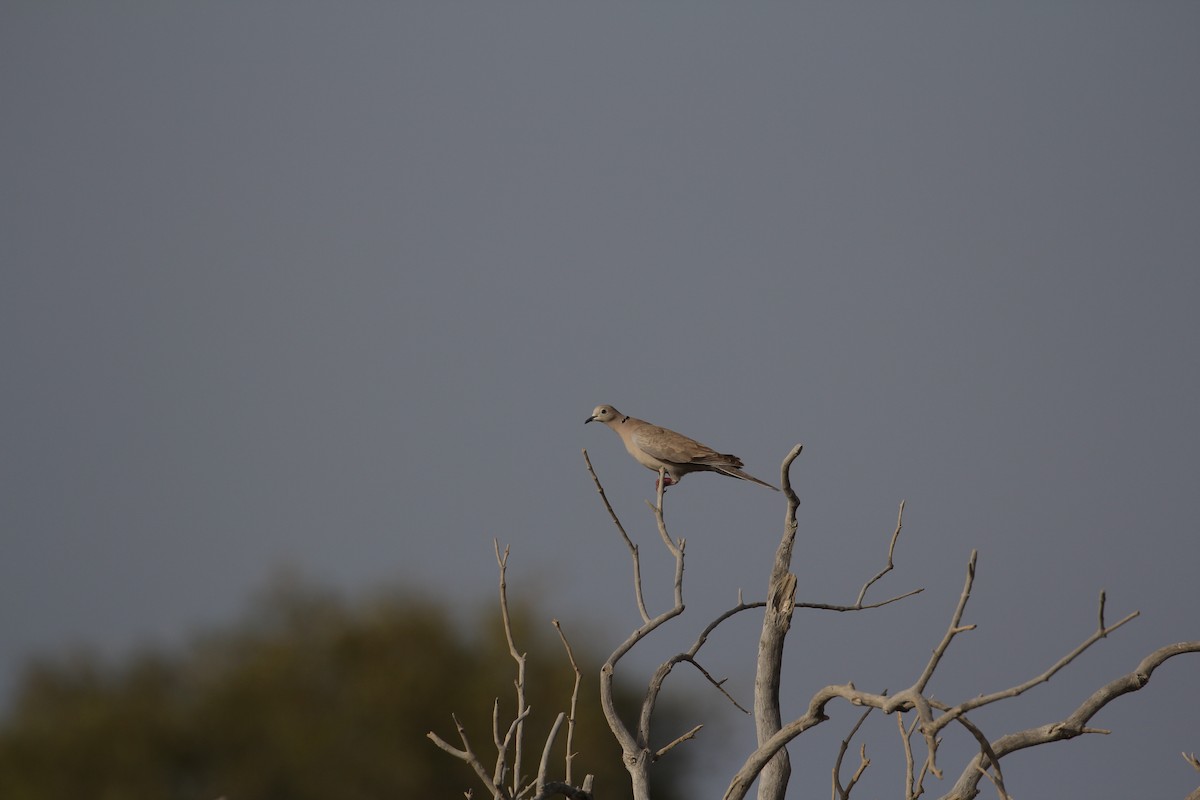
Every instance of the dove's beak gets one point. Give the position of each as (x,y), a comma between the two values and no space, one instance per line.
(589,419)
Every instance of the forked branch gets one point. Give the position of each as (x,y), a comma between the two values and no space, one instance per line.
(505,782)
(522,710)
(1195,762)
(890,564)
(843,792)
(467,755)
(914,698)
(574,698)
(635,743)
(1075,724)
(984,699)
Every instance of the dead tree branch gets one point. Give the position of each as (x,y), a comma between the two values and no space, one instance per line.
(891,552)
(674,548)
(985,747)
(777,620)
(858,604)
(635,744)
(982,700)
(633,549)
(914,698)
(574,699)
(843,792)
(1074,725)
(662,751)
(514,736)
(544,763)
(468,755)
(1191,759)
(517,732)
(689,656)
(914,784)
(769,763)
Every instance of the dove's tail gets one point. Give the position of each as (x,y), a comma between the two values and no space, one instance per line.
(734,472)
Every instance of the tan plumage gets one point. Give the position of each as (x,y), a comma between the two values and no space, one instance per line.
(657,448)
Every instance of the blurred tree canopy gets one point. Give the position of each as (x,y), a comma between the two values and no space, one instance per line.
(310,697)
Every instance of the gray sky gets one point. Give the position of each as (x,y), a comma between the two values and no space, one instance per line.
(331,288)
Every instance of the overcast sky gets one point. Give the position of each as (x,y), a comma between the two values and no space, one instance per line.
(331,288)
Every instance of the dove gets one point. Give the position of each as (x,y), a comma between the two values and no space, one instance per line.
(657,448)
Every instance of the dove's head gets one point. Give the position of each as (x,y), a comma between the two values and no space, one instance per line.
(605,414)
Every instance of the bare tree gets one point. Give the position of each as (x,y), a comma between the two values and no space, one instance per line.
(768,763)
(506,781)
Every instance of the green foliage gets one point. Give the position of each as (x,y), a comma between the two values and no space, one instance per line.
(312,698)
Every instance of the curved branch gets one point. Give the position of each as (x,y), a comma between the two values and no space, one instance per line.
(633,548)
(574,698)
(814,716)
(843,792)
(858,604)
(781,604)
(1074,725)
(984,699)
(635,744)
(544,764)
(689,656)
(914,698)
(517,732)
(468,755)
(891,551)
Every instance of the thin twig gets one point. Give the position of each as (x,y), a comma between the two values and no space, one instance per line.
(662,751)
(496,729)
(516,725)
(909,762)
(633,548)
(840,792)
(857,606)
(674,548)
(519,658)
(574,699)
(993,760)
(953,630)
(985,699)
(891,551)
(719,685)
(467,755)
(914,696)
(690,654)
(995,779)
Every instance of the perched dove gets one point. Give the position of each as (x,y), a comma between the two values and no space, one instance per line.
(657,448)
